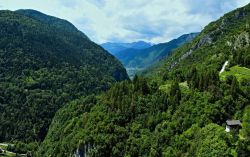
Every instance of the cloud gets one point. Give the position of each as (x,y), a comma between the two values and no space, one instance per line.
(98,3)
(127,21)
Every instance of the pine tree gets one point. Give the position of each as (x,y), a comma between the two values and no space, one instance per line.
(247,61)
(175,94)
(234,87)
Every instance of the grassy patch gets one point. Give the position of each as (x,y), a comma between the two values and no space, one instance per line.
(165,88)
(239,72)
(183,85)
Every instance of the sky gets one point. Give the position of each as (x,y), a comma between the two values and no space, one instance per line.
(154,21)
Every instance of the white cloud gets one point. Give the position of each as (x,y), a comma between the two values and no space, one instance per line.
(126,20)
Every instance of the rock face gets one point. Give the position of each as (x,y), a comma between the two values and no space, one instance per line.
(83,150)
(242,40)
(78,153)
(205,40)
(227,33)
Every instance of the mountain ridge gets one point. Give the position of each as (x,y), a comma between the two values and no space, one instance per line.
(115,48)
(162,50)
(57,22)
(180,109)
(208,37)
(43,66)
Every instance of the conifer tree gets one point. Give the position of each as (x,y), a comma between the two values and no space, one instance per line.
(234,87)
(175,94)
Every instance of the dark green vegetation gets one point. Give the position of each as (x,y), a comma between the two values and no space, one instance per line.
(180,111)
(46,62)
(136,119)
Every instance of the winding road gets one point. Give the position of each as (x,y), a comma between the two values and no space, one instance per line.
(6,151)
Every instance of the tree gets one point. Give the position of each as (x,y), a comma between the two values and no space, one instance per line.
(212,141)
(244,144)
(245,131)
(247,61)
(175,94)
(234,87)
(141,85)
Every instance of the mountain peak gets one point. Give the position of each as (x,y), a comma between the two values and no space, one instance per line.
(51,20)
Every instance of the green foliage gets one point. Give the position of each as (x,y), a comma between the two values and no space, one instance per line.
(240,73)
(106,124)
(224,39)
(204,79)
(125,121)
(212,141)
(22,148)
(133,118)
(44,66)
(155,117)
(245,132)
(175,94)
(244,142)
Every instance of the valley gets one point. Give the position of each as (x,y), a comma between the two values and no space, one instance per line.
(140,55)
(63,95)
(133,71)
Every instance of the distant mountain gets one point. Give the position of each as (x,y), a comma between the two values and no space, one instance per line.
(115,48)
(142,58)
(46,62)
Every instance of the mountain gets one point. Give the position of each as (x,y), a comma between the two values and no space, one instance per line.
(115,48)
(182,109)
(142,58)
(50,20)
(46,62)
(219,41)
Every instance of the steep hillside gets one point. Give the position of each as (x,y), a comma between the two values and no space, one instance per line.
(115,48)
(57,22)
(224,39)
(181,111)
(44,63)
(142,58)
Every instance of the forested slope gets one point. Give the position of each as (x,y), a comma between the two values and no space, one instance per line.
(224,39)
(46,62)
(180,111)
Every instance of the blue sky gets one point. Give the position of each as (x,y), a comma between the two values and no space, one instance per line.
(132,20)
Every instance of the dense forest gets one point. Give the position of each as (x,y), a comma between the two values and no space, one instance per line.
(181,109)
(46,62)
(54,104)
(136,119)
